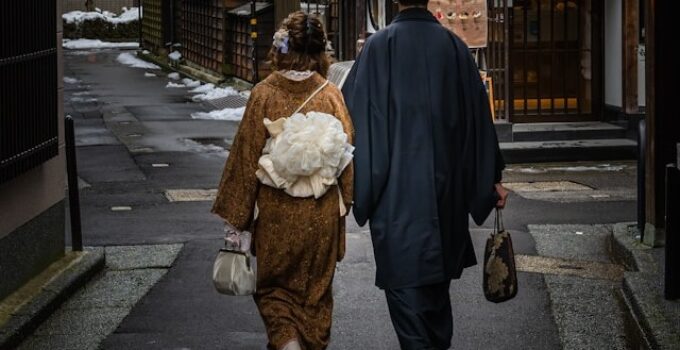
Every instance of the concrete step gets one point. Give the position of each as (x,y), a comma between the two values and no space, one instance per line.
(566,131)
(569,150)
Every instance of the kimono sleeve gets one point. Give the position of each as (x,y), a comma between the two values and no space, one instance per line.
(239,186)
(346,180)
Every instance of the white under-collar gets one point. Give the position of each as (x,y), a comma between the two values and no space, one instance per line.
(296,75)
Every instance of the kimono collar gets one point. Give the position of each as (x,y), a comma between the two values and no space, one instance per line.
(304,86)
(415,14)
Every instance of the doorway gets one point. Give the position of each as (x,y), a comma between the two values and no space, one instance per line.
(554,60)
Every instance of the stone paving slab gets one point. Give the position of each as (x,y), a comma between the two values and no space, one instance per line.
(586,313)
(555,266)
(133,257)
(59,342)
(23,311)
(95,311)
(79,323)
(115,289)
(576,242)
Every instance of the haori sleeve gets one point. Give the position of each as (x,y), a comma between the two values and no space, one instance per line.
(238,189)
(346,180)
(364,92)
(483,160)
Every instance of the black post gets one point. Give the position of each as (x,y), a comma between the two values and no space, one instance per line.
(641,191)
(672,280)
(141,33)
(253,40)
(73,195)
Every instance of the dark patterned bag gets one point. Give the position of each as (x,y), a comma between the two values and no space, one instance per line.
(500,276)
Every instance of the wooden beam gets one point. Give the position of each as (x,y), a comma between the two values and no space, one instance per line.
(663,117)
(631,40)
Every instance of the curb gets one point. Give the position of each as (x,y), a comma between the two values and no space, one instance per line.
(641,295)
(28,317)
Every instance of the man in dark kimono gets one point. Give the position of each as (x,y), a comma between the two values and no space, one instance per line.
(426,157)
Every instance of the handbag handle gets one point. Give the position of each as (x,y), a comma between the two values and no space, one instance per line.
(499,226)
(310,97)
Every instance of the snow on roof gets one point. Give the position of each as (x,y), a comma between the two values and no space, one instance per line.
(79,44)
(126,16)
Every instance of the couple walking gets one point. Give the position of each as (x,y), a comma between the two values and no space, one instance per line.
(426,157)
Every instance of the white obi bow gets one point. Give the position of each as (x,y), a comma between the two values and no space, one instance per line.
(305,154)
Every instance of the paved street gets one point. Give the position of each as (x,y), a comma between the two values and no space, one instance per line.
(137,140)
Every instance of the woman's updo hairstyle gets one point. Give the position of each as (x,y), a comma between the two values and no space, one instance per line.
(300,44)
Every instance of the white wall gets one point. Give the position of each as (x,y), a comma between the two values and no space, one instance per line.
(613,49)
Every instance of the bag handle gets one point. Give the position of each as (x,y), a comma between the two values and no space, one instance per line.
(498,222)
(311,97)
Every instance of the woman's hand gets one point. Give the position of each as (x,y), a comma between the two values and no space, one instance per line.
(502,195)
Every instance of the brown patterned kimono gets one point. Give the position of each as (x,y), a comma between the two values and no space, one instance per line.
(297,240)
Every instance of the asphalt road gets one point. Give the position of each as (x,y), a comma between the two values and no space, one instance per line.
(136,123)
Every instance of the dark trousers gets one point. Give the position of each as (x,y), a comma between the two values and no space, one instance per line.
(422,316)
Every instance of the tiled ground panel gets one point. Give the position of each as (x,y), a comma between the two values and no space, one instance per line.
(203,33)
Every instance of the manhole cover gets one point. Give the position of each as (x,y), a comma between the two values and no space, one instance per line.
(547,186)
(190,195)
(234,101)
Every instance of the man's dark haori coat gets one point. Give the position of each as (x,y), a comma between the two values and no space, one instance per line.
(426,150)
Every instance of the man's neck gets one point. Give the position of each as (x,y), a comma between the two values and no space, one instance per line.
(403,8)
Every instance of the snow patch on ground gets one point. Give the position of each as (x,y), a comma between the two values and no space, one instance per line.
(149,75)
(210,92)
(230,114)
(175,56)
(131,60)
(127,16)
(191,83)
(79,44)
(174,85)
(203,88)
(83,99)
(69,80)
(174,76)
(195,146)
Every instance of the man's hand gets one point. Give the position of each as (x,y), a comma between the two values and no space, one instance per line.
(502,194)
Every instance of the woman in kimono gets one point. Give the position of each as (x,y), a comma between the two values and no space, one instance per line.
(298,240)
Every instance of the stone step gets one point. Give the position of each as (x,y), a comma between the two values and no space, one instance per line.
(566,131)
(569,150)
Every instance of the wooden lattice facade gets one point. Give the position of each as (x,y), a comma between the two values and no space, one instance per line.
(247,56)
(203,32)
(152,25)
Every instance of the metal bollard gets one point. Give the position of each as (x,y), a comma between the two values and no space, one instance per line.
(642,151)
(73,195)
(672,270)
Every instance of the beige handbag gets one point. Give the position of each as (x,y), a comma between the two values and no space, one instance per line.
(233,273)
